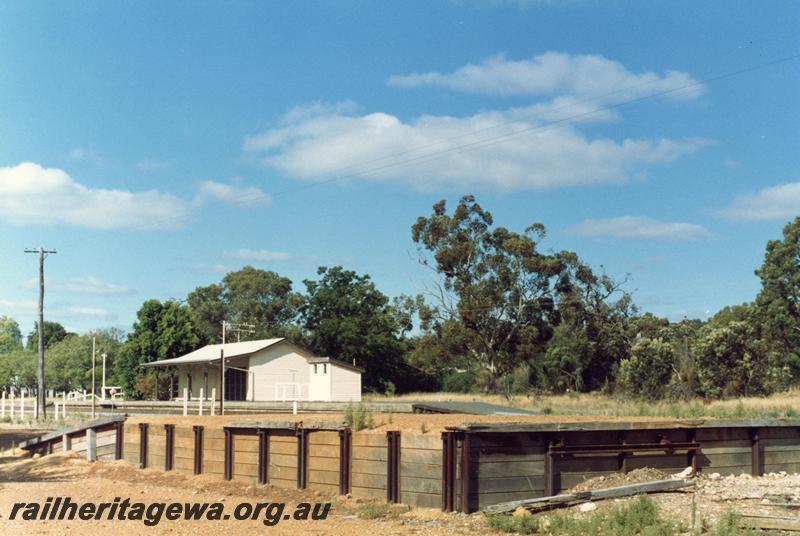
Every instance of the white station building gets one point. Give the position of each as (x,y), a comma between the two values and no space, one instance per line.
(265,370)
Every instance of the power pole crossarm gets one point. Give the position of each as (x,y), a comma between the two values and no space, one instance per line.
(40,396)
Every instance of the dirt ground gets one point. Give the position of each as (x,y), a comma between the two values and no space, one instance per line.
(23,479)
(67,474)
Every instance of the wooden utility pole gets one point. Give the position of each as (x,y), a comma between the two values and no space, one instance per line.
(40,396)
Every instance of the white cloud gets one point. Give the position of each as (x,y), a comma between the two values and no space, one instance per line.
(639,227)
(261,255)
(511,149)
(556,73)
(80,285)
(231,194)
(32,194)
(91,312)
(775,203)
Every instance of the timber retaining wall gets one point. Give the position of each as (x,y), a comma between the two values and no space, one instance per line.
(464,468)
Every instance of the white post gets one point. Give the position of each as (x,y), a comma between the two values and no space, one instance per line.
(202,401)
(103,392)
(64,405)
(35,410)
(11,400)
(91,445)
(66,444)
(3,406)
(294,407)
(213,399)
(93,382)
(185,401)
(55,407)
(22,406)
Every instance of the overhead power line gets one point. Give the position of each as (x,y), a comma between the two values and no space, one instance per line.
(433,155)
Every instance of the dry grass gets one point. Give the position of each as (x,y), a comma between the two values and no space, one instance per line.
(782,405)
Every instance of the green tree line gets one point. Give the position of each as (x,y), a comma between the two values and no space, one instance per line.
(502,315)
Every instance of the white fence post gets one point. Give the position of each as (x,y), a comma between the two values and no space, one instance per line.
(213,399)
(185,401)
(55,409)
(64,405)
(36,408)
(91,445)
(21,406)
(66,444)
(202,400)
(11,403)
(294,407)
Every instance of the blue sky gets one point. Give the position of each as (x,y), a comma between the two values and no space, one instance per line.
(157,145)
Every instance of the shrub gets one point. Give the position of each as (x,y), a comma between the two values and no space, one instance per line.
(459,382)
(647,372)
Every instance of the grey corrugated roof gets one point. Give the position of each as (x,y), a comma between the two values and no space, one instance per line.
(210,353)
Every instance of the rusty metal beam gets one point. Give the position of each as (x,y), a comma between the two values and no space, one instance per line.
(228,454)
(755,443)
(448,471)
(263,455)
(466,468)
(119,440)
(302,458)
(169,446)
(143,430)
(393,467)
(198,449)
(345,460)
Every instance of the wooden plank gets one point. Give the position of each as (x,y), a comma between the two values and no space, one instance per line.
(283,448)
(491,470)
(282,460)
(421,456)
(418,441)
(421,500)
(324,451)
(324,464)
(790,524)
(369,467)
(324,477)
(364,480)
(489,499)
(361,439)
(372,493)
(421,485)
(323,438)
(421,470)
(370,453)
(512,484)
(593,495)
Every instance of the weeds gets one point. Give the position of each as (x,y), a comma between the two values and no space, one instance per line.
(728,525)
(360,417)
(639,517)
(521,525)
(373,511)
